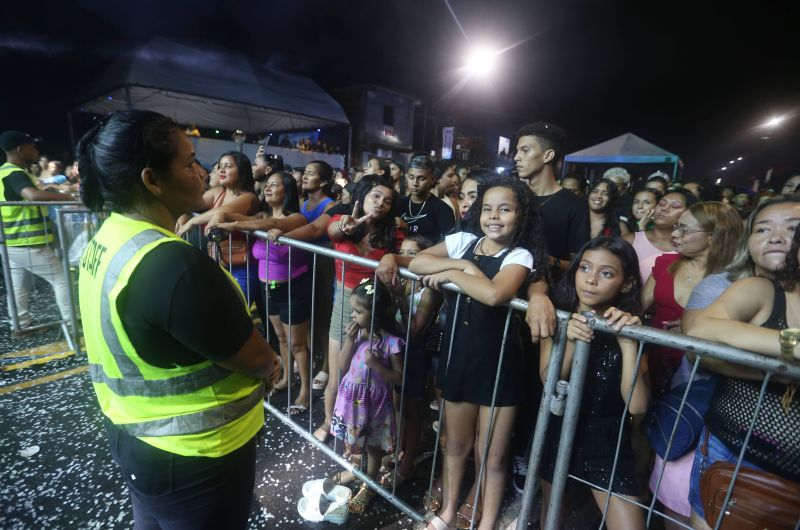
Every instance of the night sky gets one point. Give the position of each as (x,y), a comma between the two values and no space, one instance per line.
(695,78)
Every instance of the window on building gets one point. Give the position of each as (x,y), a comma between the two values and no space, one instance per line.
(388,115)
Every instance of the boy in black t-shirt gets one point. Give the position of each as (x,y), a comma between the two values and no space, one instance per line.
(425,214)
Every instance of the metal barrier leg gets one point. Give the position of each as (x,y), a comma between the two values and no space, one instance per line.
(453,320)
(334,363)
(70,335)
(542,424)
(311,345)
(490,424)
(401,409)
(290,356)
(568,426)
(12,302)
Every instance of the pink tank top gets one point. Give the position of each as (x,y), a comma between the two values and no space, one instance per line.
(647,254)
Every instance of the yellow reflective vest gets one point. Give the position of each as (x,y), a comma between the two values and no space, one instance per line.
(23,226)
(198,410)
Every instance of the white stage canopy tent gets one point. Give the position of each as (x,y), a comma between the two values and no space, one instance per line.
(213,89)
(625,149)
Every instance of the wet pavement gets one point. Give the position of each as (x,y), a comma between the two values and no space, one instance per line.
(56,469)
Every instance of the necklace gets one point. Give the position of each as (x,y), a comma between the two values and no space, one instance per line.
(411,216)
(547,199)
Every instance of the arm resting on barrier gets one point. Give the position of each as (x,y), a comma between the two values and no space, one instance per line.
(311,231)
(255,358)
(435,259)
(32,194)
(733,318)
(495,292)
(245,203)
(284,224)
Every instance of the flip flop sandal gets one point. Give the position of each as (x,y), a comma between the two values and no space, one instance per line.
(388,477)
(318,508)
(325,437)
(320,380)
(328,488)
(463,521)
(438,523)
(433,500)
(359,504)
(297,409)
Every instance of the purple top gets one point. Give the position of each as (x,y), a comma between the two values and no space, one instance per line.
(278,267)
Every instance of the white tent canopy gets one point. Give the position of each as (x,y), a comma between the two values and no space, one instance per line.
(213,89)
(627,148)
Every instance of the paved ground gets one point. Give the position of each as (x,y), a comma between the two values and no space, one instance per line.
(46,401)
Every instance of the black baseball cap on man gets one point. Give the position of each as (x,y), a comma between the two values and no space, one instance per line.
(12,139)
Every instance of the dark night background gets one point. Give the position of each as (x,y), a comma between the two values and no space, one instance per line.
(695,78)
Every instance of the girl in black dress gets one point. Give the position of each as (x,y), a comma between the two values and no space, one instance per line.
(603,278)
(489,261)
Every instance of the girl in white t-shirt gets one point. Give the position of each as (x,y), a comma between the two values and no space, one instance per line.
(489,261)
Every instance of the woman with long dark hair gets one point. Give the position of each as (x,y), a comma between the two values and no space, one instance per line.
(282,212)
(602,210)
(180,386)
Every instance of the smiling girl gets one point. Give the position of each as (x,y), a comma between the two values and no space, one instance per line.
(500,247)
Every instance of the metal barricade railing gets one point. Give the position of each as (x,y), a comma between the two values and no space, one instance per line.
(73,226)
(769,366)
(558,398)
(566,395)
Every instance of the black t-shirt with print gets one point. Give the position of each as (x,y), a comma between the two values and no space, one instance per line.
(432,218)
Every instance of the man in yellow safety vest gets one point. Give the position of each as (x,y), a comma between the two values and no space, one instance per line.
(26,230)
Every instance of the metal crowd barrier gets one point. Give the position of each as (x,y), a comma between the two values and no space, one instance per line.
(570,392)
(555,393)
(74,225)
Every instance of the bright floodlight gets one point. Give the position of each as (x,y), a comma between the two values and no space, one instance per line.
(724,168)
(774,121)
(481,62)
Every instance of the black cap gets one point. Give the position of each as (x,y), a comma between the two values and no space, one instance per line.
(12,139)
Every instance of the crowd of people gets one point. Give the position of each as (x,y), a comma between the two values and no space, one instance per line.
(671,255)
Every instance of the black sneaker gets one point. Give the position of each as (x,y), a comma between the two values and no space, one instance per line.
(519,473)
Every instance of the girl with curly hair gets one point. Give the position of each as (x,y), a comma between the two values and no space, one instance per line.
(501,245)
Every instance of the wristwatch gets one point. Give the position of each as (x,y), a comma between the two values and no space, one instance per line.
(789,339)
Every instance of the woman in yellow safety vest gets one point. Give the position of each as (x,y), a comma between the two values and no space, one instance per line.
(177,366)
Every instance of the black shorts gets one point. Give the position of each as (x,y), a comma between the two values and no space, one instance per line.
(278,299)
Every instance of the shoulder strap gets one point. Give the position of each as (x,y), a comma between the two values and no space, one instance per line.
(220,198)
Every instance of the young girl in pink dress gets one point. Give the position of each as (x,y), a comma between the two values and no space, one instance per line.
(363,416)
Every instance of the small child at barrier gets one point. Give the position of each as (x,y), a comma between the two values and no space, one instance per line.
(602,278)
(419,304)
(363,416)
